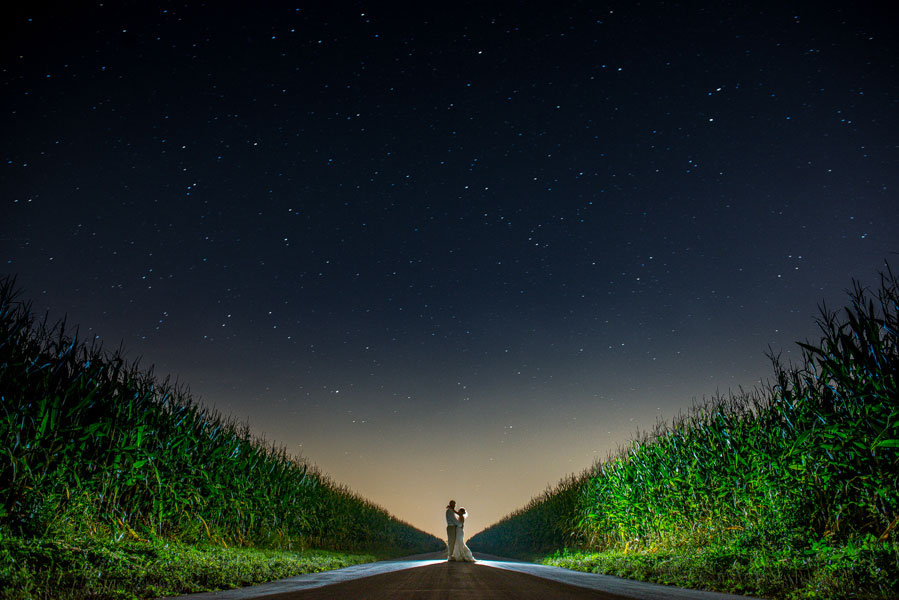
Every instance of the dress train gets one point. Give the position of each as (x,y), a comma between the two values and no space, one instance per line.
(461,551)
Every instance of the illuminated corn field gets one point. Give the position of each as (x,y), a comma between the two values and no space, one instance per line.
(94,443)
(815,456)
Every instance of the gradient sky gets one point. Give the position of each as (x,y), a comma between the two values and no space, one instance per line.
(461,252)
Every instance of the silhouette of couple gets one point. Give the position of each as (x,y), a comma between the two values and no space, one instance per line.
(456,550)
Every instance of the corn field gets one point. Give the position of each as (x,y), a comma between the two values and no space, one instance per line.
(91,442)
(815,454)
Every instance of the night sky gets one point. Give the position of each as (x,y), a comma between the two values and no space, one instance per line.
(460,252)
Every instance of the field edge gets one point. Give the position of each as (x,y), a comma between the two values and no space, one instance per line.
(100,569)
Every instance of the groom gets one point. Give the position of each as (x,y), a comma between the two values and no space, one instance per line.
(451,524)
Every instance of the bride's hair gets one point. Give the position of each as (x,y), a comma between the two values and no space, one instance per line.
(462,511)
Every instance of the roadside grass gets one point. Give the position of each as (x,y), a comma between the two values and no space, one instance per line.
(865,570)
(102,569)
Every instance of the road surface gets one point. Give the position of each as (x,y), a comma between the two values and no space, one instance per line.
(428,577)
(451,580)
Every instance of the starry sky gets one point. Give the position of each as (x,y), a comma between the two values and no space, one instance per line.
(455,251)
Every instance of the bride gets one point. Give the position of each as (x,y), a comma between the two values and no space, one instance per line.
(461,552)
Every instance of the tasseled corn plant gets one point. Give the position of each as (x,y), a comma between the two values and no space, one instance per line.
(816,452)
(89,441)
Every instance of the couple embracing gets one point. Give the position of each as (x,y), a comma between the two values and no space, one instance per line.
(455,534)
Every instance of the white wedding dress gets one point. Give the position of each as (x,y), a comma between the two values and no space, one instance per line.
(461,551)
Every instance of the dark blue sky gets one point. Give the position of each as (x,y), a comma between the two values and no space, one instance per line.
(463,251)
